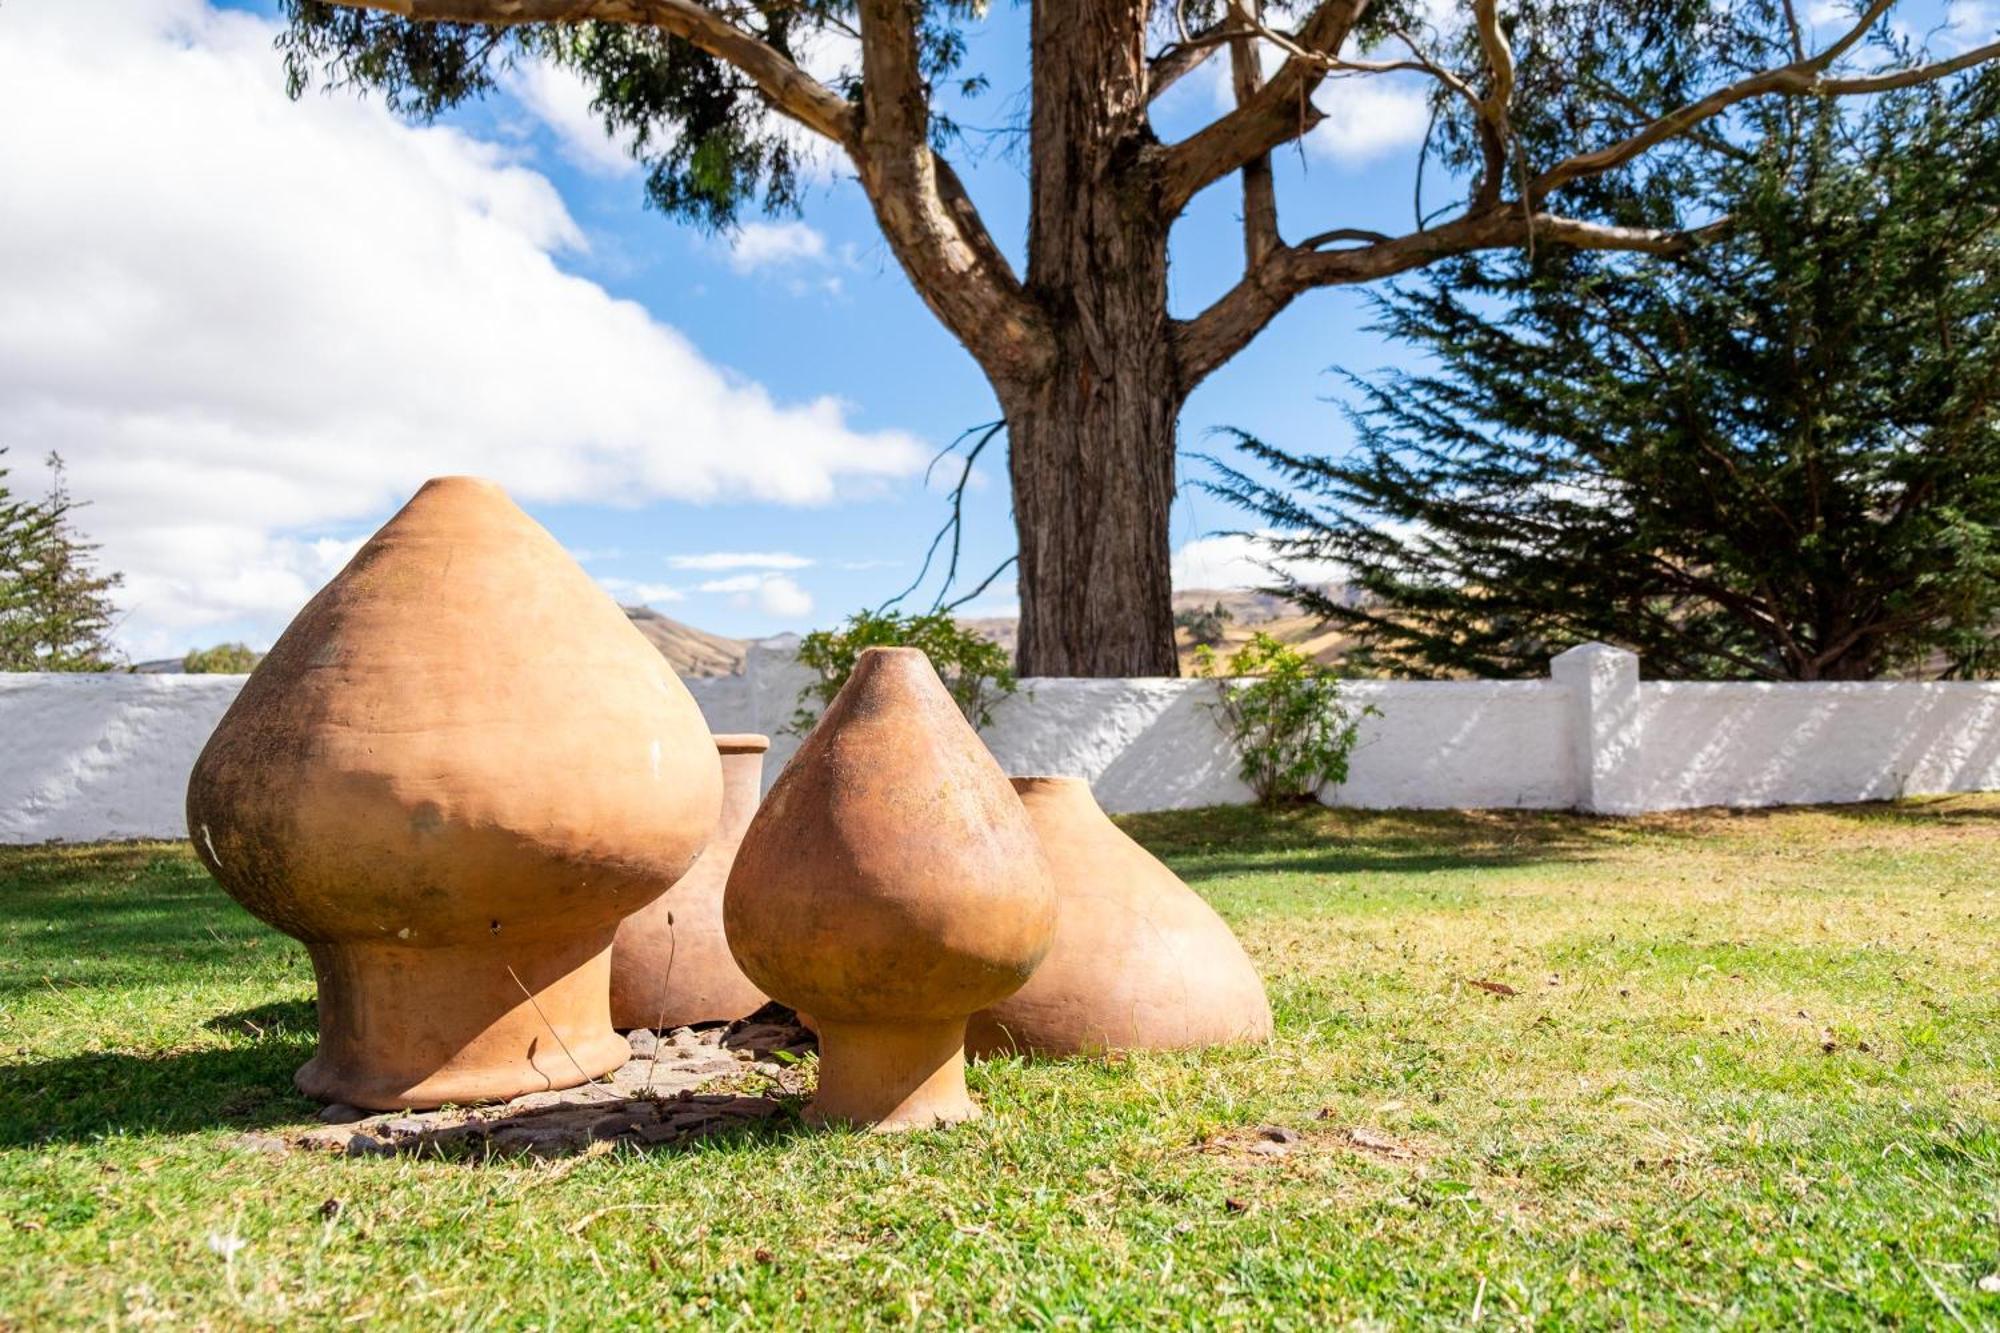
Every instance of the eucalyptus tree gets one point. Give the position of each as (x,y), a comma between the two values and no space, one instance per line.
(1536,103)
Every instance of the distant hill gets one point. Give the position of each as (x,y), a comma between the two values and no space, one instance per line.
(691,651)
(1249,611)
(695,652)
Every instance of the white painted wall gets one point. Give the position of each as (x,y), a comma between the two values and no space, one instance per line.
(85,757)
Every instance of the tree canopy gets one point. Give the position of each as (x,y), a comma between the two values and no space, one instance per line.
(1556,123)
(1775,456)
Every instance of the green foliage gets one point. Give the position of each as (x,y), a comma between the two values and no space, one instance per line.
(1283,713)
(224,659)
(1777,457)
(975,669)
(1205,626)
(710,147)
(55,608)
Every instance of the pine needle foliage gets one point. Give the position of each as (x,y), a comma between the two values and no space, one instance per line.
(1775,458)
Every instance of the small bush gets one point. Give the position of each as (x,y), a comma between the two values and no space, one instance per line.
(225,659)
(1283,713)
(974,668)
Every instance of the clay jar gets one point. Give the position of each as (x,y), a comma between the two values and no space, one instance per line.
(671,965)
(1140,962)
(454,774)
(891,885)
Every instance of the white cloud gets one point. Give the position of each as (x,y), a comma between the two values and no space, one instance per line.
(636,591)
(1232,561)
(1368,117)
(758,245)
(773,594)
(734,583)
(253,326)
(779,596)
(1968,23)
(740,560)
(560,99)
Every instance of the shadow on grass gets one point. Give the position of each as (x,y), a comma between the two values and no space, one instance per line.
(1223,841)
(105,914)
(1968,810)
(86,1097)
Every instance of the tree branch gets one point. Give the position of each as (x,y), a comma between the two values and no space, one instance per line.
(1799,78)
(1181,59)
(924,211)
(1494,134)
(789,89)
(1281,111)
(1218,333)
(1211,338)
(1260,191)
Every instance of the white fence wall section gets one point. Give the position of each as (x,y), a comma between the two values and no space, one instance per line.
(102,756)
(85,757)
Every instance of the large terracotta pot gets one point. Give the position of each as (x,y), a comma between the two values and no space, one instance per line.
(891,885)
(671,965)
(456,771)
(1140,962)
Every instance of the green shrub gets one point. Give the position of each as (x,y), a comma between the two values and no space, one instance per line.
(974,668)
(225,659)
(1283,713)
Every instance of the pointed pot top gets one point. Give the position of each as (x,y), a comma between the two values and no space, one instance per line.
(462,715)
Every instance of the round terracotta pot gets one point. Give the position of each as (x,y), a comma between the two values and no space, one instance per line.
(1139,962)
(452,776)
(891,885)
(671,965)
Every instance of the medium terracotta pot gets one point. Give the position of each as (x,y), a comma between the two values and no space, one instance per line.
(1140,962)
(671,965)
(891,885)
(454,774)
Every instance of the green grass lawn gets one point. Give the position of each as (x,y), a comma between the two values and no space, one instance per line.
(1747,1076)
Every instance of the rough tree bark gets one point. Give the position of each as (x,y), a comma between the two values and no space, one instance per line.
(1091,437)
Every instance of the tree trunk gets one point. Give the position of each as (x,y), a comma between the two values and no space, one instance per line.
(1092,458)
(1091,442)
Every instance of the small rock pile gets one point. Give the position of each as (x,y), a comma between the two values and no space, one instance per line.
(677,1086)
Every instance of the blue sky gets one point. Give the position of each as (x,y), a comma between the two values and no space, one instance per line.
(252,327)
(873,342)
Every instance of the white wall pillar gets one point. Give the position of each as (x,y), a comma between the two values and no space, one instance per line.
(1604,695)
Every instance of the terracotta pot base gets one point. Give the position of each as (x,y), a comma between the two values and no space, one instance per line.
(403,1027)
(892,1076)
